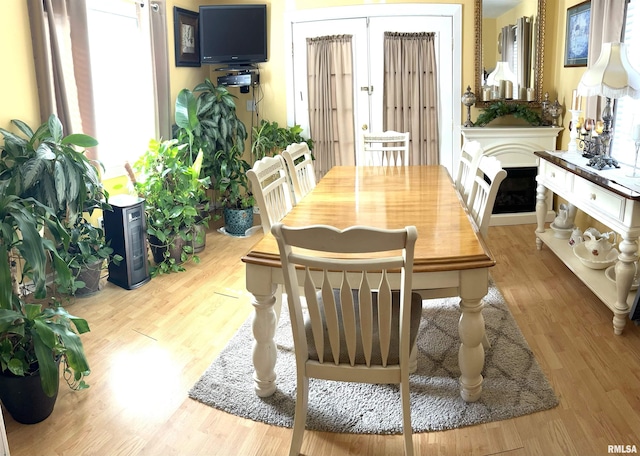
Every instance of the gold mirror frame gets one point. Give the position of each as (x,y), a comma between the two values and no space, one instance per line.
(539,65)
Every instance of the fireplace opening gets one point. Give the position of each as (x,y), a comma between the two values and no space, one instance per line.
(517,192)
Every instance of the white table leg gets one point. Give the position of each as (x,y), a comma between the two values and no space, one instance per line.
(260,285)
(625,271)
(473,287)
(541,212)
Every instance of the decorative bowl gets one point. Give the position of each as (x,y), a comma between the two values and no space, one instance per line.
(610,273)
(580,250)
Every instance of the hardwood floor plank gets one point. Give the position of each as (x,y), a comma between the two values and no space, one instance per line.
(147,347)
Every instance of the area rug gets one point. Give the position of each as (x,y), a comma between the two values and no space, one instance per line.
(514,384)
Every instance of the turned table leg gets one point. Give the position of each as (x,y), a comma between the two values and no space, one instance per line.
(473,287)
(260,285)
(625,272)
(541,212)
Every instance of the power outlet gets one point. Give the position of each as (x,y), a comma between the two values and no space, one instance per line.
(251,106)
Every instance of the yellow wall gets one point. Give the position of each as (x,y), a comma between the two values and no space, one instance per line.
(18,97)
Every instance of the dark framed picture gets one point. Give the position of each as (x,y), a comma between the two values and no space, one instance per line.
(576,46)
(185,29)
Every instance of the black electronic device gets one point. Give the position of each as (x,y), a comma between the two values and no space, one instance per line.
(125,229)
(239,79)
(233,34)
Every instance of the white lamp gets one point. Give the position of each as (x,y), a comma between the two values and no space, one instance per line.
(502,72)
(612,76)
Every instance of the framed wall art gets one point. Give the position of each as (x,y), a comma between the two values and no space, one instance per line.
(576,47)
(187,44)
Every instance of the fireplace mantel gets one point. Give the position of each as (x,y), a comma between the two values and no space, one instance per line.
(514,147)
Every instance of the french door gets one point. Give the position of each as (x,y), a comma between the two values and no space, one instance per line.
(367,43)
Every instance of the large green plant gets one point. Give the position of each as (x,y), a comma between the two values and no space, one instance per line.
(51,168)
(54,170)
(232,183)
(269,138)
(208,123)
(173,191)
(36,336)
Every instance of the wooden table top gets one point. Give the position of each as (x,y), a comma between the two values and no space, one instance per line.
(423,196)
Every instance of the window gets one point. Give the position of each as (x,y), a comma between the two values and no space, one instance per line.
(622,146)
(122,79)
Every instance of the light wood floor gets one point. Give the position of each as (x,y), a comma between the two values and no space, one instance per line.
(148,346)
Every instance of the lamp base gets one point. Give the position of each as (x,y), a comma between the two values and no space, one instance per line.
(602,161)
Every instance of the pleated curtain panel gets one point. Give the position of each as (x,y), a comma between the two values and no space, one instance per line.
(330,83)
(411,93)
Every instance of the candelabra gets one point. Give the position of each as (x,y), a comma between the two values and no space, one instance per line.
(468,99)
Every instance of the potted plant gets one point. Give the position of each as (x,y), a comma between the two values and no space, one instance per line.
(270,139)
(36,333)
(208,123)
(232,186)
(54,170)
(88,256)
(172,190)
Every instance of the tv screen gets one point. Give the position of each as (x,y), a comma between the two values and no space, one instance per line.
(233,34)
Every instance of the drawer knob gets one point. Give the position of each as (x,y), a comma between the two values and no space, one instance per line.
(553,174)
(593,196)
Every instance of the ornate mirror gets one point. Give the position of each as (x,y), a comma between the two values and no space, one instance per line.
(509,51)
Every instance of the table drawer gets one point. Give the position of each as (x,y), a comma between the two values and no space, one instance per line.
(555,178)
(603,201)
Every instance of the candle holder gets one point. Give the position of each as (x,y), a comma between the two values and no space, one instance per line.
(574,131)
(635,136)
(468,99)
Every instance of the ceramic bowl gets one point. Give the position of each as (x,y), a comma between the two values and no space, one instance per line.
(580,250)
(561,233)
(610,273)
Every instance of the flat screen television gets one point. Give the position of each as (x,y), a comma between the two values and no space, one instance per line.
(233,34)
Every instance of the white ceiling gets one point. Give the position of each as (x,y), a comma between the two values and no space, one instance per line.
(495,8)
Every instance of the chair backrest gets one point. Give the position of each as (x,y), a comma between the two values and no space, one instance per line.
(299,162)
(270,186)
(484,191)
(389,148)
(467,168)
(341,294)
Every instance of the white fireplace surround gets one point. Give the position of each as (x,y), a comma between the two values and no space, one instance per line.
(514,147)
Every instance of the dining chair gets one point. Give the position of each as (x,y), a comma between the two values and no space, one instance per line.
(484,191)
(467,168)
(271,189)
(388,148)
(299,162)
(353,328)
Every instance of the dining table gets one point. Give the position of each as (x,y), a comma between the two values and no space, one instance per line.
(451,257)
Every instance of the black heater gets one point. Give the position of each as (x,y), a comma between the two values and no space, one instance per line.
(125,229)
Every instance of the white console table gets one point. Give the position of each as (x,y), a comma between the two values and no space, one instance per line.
(608,197)
(514,147)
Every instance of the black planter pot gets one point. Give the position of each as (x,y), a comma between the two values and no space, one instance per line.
(24,398)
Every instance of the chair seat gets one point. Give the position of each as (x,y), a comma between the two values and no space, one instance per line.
(376,357)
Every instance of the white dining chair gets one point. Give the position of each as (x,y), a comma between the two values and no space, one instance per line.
(353,328)
(484,191)
(271,189)
(388,148)
(467,168)
(299,162)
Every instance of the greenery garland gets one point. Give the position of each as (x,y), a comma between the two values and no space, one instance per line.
(500,108)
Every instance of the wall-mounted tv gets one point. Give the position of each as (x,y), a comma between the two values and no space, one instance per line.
(233,34)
